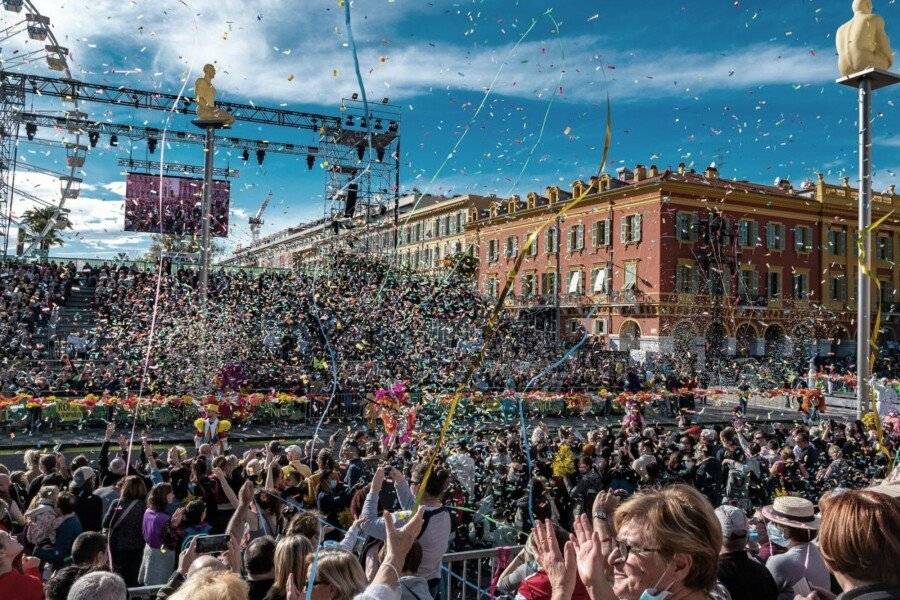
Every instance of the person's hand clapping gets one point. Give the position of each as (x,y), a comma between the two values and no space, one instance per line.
(560,566)
(606,502)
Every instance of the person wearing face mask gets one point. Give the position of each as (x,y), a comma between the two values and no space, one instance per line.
(793,524)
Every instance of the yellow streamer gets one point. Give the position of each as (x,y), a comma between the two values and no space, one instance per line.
(863,267)
(490,327)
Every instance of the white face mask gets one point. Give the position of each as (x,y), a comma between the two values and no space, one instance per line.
(654,593)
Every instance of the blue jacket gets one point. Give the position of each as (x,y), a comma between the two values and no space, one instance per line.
(66,533)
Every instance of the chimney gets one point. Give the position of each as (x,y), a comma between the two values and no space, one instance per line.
(640,173)
(712,172)
(654,171)
(681,168)
(846,181)
(512,204)
(820,177)
(552,194)
(624,174)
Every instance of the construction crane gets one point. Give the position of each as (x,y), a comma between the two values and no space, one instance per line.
(256,221)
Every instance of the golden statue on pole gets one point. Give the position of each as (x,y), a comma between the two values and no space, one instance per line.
(206,100)
(862,42)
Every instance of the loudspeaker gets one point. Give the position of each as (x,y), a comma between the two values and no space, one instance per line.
(350,203)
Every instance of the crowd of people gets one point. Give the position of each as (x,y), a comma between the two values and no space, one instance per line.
(368,322)
(633,508)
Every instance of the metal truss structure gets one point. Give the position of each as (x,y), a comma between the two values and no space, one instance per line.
(151,166)
(361,154)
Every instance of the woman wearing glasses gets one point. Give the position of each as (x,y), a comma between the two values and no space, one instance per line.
(666,545)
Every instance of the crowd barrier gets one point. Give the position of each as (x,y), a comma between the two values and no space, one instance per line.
(469,575)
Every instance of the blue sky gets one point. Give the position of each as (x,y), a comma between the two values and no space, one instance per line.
(747,84)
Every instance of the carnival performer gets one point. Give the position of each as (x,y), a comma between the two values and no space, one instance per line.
(210,429)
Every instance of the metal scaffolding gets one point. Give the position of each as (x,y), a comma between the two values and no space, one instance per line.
(12,99)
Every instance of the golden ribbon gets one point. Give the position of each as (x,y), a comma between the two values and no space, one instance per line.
(864,268)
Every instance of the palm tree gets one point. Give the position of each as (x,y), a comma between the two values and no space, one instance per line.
(36,219)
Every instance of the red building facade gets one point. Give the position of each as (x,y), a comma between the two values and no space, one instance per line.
(681,261)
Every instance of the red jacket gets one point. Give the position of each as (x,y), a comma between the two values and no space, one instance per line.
(18,586)
(537,587)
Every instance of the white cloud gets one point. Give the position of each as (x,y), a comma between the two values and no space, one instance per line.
(116,187)
(891,141)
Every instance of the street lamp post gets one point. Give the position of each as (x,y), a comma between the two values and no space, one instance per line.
(866,82)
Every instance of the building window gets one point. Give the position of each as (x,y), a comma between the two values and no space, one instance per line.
(803,238)
(837,242)
(512,246)
(630,279)
(775,236)
(548,284)
(748,283)
(838,288)
(601,233)
(801,286)
(601,282)
(884,248)
(490,286)
(533,248)
(573,326)
(457,247)
(493,250)
(685,279)
(687,225)
(748,233)
(528,285)
(552,240)
(773,286)
(576,237)
(887,296)
(575,284)
(630,232)
(599,326)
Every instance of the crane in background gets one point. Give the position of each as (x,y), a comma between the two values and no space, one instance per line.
(257,221)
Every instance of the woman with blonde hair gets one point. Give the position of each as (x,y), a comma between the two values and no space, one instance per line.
(336,575)
(212,584)
(290,562)
(32,460)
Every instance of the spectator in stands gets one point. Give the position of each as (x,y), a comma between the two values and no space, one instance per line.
(860,542)
(666,541)
(259,564)
(68,527)
(158,561)
(99,585)
(123,524)
(19,575)
(745,578)
(88,506)
(793,524)
(290,564)
(336,575)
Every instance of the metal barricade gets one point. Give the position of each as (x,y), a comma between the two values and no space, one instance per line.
(470,575)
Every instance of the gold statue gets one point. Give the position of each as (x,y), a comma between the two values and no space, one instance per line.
(206,99)
(862,42)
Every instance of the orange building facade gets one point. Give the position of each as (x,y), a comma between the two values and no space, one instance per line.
(680,261)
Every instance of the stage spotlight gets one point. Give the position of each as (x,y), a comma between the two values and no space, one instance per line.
(379,153)
(393,127)
(363,123)
(354,96)
(113,140)
(349,122)
(260,156)
(93,138)
(151,144)
(310,161)
(30,130)
(385,100)
(245,155)
(378,124)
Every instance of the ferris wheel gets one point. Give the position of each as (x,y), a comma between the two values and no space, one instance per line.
(28,45)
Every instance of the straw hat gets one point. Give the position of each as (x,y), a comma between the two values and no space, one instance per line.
(792,511)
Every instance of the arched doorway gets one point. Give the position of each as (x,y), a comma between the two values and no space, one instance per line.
(745,340)
(775,340)
(630,336)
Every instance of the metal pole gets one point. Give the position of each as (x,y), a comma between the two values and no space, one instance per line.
(863,306)
(207,200)
(12,194)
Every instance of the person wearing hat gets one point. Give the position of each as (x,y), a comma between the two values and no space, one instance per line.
(793,523)
(88,506)
(745,578)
